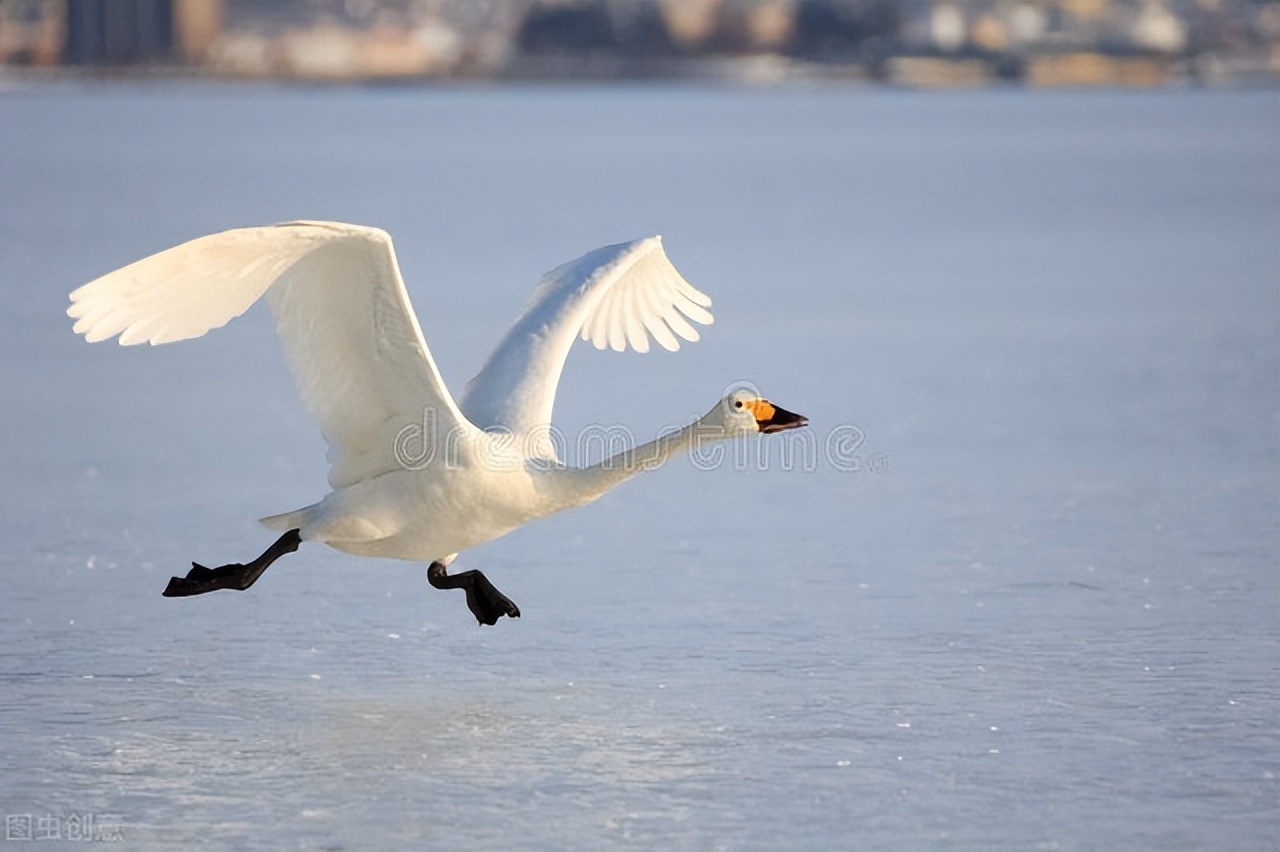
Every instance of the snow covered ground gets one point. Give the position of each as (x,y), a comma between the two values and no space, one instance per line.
(1015,588)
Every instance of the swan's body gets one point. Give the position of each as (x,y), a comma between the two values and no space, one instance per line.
(416,475)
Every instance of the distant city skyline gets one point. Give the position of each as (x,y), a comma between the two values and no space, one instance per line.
(907,42)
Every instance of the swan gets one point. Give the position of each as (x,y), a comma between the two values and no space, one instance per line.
(414,473)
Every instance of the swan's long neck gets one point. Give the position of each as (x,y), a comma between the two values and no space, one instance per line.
(588,483)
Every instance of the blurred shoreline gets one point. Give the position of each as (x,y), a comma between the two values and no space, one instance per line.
(907,43)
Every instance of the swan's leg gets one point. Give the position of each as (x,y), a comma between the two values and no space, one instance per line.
(487,604)
(235,576)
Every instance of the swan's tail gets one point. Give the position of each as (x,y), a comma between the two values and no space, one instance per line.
(325,521)
(288,520)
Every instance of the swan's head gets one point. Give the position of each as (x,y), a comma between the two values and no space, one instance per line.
(745,412)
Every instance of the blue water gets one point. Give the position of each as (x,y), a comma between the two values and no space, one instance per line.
(1016,588)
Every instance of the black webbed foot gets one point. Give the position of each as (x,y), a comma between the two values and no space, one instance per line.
(234,576)
(484,600)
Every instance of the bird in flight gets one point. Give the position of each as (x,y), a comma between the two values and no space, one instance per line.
(414,473)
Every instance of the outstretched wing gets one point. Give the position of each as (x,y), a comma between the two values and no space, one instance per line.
(618,296)
(341,312)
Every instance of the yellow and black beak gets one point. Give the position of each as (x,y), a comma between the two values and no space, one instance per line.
(770,418)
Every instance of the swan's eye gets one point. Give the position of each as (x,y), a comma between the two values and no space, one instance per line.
(737,403)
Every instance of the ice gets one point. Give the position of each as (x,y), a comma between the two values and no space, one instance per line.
(1044,617)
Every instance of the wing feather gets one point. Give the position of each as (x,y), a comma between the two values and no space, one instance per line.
(694,311)
(654,324)
(341,311)
(637,304)
(617,311)
(621,296)
(673,318)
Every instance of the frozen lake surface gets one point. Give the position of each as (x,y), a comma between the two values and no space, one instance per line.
(1018,590)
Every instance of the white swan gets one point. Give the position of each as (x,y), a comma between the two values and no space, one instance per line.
(416,475)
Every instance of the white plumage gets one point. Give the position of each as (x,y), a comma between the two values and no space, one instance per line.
(414,474)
